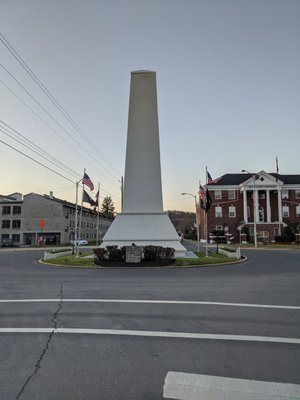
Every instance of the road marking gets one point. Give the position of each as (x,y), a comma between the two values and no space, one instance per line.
(200,303)
(183,386)
(174,335)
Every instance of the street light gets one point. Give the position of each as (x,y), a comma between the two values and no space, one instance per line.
(254,177)
(197,222)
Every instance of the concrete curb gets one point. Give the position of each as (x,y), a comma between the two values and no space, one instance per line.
(243,259)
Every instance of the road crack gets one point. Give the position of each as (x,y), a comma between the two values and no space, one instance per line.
(45,349)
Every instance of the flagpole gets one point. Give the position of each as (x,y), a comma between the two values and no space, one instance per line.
(80,218)
(206,230)
(97,238)
(76,219)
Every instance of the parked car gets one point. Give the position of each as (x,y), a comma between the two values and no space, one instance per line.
(79,242)
(8,243)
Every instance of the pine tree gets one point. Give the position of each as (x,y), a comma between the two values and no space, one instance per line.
(107,207)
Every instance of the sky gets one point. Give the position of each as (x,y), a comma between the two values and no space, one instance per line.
(228,88)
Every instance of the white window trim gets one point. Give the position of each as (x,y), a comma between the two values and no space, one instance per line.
(285,211)
(284,194)
(219,196)
(232,209)
(218,212)
(234,195)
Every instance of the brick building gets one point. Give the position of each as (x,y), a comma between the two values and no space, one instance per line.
(20,220)
(240,199)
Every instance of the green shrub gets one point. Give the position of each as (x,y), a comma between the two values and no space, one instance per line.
(101,254)
(115,254)
(158,254)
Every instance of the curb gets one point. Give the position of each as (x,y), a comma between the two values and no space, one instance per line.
(243,259)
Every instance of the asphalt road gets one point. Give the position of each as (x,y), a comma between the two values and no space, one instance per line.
(127,348)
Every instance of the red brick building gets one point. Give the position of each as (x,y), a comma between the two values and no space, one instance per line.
(274,205)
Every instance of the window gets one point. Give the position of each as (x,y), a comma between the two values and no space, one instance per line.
(251,231)
(16,209)
(5,224)
(248,212)
(285,194)
(15,238)
(231,194)
(285,211)
(4,236)
(298,211)
(219,228)
(218,194)
(297,194)
(232,212)
(276,231)
(6,210)
(261,195)
(218,212)
(16,223)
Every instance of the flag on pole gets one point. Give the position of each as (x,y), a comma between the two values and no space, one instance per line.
(277,169)
(201,192)
(87,199)
(210,179)
(205,199)
(208,201)
(97,199)
(87,181)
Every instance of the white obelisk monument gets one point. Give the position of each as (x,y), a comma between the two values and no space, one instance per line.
(143,221)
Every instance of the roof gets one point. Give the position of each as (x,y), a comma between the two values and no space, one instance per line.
(237,179)
(67,203)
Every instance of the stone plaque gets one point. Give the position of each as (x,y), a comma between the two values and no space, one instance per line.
(134,254)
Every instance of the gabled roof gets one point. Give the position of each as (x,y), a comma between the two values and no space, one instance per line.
(237,179)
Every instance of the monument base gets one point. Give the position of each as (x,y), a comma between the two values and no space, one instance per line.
(153,229)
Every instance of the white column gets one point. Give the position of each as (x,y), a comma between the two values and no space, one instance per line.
(256,205)
(268,206)
(279,206)
(245,206)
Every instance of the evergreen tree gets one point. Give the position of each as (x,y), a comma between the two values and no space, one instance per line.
(107,207)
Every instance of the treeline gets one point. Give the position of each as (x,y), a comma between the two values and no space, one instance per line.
(184,222)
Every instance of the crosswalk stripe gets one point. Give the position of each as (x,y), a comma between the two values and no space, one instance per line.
(184,386)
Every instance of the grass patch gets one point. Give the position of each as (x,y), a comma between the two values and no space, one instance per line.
(71,260)
(179,262)
(202,260)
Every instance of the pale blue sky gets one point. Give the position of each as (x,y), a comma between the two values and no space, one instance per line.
(227,77)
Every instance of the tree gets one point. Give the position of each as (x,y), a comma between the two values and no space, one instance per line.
(107,207)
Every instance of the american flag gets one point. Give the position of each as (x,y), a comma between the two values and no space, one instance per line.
(210,179)
(87,181)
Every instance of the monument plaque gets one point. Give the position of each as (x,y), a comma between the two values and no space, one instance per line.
(134,254)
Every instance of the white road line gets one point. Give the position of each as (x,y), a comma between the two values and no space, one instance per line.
(200,303)
(174,335)
(183,386)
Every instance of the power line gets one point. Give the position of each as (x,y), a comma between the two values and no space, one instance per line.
(54,101)
(42,153)
(38,162)
(55,120)
(49,126)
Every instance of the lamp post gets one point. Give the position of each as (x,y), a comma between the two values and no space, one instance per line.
(254,206)
(197,221)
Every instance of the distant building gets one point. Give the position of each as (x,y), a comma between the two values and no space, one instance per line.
(277,204)
(20,220)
